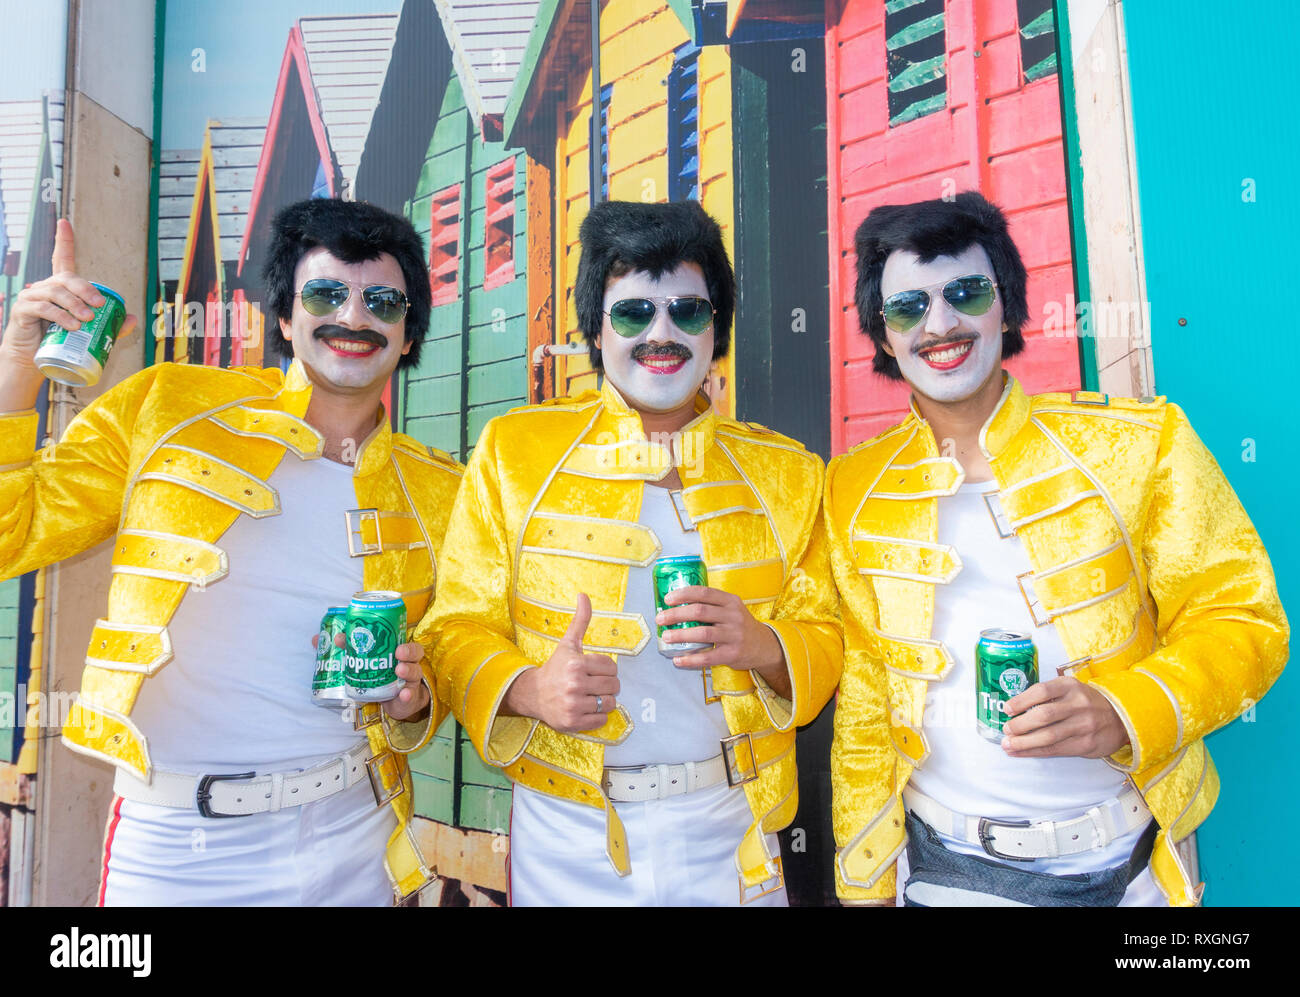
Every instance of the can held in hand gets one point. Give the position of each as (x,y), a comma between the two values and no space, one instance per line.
(375,625)
(327,685)
(677,573)
(1006,664)
(77,357)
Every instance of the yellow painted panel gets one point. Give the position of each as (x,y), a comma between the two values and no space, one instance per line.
(620,16)
(637,51)
(647,181)
(640,89)
(641,138)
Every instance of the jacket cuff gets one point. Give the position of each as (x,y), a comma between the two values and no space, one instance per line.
(17,438)
(1147,712)
(780,711)
(405,736)
(499,739)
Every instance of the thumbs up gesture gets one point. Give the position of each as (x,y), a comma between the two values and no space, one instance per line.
(65,299)
(573,691)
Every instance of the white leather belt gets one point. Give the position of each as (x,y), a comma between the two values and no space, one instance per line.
(655,782)
(243,793)
(1020,841)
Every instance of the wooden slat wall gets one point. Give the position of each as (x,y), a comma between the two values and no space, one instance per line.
(1009,148)
(12,712)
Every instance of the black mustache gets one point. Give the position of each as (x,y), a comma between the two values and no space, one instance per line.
(359,335)
(643,350)
(950,341)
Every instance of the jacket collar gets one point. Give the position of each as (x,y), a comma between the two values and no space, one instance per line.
(628,452)
(1008,418)
(374,450)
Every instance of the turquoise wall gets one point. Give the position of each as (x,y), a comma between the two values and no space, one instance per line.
(1214,100)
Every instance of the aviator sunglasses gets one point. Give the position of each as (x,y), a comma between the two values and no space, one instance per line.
(970,295)
(323,295)
(632,316)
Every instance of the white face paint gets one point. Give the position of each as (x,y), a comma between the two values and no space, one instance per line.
(662,368)
(354,351)
(947,356)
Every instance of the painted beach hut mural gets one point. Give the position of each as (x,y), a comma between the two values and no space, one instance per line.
(178,174)
(926,99)
(434,152)
(213,322)
(330,79)
(31,167)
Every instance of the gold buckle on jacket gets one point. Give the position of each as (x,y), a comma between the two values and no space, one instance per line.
(994,514)
(735,758)
(1033,605)
(764,888)
(361,719)
(356,546)
(377,781)
(706,677)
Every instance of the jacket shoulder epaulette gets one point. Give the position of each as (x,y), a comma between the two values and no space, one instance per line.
(408,446)
(753,432)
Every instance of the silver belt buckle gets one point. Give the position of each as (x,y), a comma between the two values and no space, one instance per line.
(986,838)
(356,546)
(377,781)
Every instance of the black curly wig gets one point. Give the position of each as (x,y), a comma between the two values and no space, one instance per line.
(353,231)
(619,237)
(930,229)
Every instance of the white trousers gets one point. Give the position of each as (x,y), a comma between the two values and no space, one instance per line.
(682,852)
(327,853)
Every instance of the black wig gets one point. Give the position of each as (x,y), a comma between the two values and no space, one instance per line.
(353,231)
(619,237)
(930,229)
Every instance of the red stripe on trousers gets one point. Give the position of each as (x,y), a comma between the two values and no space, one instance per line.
(114,816)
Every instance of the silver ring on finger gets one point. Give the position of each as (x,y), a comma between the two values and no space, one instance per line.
(600,707)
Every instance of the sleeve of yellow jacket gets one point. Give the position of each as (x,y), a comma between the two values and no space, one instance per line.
(68,497)
(806,623)
(1221,628)
(866,813)
(468,630)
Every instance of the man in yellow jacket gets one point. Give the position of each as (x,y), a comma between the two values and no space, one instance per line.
(242,504)
(642,775)
(1100,528)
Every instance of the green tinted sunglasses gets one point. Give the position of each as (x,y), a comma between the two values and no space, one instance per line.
(970,295)
(322,296)
(632,316)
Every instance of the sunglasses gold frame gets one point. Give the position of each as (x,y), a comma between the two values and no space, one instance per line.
(664,303)
(352,286)
(929,293)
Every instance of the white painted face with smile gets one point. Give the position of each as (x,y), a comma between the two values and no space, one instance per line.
(348,351)
(660,369)
(947,356)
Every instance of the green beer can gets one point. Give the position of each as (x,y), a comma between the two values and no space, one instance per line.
(327,685)
(677,573)
(77,357)
(1006,664)
(375,625)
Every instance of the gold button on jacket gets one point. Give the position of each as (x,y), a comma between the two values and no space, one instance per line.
(164,463)
(1142,558)
(549,509)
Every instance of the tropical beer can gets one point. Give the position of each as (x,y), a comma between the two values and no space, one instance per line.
(677,573)
(77,357)
(1006,664)
(327,685)
(375,625)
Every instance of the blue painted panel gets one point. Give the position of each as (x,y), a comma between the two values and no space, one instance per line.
(1216,153)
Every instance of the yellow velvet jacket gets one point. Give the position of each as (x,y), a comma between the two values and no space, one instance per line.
(549,509)
(166,462)
(1142,558)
